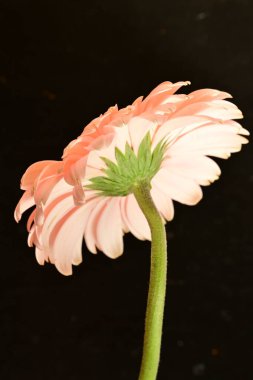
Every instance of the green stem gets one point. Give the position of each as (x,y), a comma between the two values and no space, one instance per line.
(157,284)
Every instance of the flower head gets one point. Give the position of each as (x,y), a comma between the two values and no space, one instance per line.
(165,139)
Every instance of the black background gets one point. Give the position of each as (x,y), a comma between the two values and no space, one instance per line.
(62,64)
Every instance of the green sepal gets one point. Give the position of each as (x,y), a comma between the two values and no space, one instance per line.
(122,176)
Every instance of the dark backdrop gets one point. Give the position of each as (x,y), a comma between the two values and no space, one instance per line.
(62,64)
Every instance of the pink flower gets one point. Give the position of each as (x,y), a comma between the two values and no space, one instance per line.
(195,126)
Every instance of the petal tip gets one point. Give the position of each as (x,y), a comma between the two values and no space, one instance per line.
(17,215)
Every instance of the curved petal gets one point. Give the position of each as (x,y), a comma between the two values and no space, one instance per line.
(47,175)
(90,237)
(53,213)
(66,238)
(30,220)
(74,171)
(134,219)
(214,140)
(207,94)
(200,168)
(176,127)
(109,235)
(138,127)
(161,94)
(216,109)
(163,203)
(78,194)
(25,202)
(179,188)
(40,256)
(31,174)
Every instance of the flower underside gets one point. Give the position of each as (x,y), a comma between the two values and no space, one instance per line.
(130,169)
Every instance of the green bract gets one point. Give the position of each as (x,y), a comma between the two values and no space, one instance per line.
(129,170)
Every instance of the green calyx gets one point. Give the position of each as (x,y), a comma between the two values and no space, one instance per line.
(122,177)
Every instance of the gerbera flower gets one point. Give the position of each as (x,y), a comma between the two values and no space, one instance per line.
(165,139)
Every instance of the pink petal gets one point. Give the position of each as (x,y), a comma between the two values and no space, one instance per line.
(66,240)
(175,127)
(179,188)
(33,236)
(162,93)
(94,162)
(109,229)
(25,202)
(31,174)
(91,228)
(46,180)
(78,194)
(214,140)
(137,101)
(40,256)
(39,215)
(197,167)
(65,234)
(54,212)
(237,128)
(217,109)
(134,219)
(74,167)
(163,203)
(30,220)
(207,94)
(138,128)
